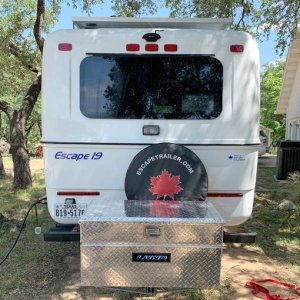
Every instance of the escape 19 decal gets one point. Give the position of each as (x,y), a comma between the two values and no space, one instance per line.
(166,172)
(78,156)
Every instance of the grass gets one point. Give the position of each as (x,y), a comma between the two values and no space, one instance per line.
(35,263)
(278,231)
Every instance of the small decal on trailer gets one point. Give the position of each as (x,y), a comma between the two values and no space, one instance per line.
(237,157)
(161,157)
(78,156)
(165,185)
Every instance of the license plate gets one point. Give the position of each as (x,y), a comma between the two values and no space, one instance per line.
(70,210)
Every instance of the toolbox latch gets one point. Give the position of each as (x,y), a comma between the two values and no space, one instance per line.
(152,231)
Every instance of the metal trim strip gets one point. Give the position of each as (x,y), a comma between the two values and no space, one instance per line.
(139,144)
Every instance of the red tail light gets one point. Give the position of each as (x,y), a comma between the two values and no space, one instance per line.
(170,47)
(65,47)
(237,48)
(78,193)
(133,47)
(151,47)
(226,195)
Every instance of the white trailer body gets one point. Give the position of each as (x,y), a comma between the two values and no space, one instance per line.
(108,93)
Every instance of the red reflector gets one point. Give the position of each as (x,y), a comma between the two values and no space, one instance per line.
(170,47)
(78,193)
(65,47)
(237,48)
(151,47)
(132,47)
(227,195)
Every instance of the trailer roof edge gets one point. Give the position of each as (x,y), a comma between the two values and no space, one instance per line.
(128,22)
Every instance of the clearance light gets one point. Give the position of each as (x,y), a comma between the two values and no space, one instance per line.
(132,47)
(151,47)
(78,193)
(237,48)
(170,47)
(65,47)
(226,195)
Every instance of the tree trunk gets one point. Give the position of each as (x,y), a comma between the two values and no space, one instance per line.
(20,156)
(18,118)
(2,170)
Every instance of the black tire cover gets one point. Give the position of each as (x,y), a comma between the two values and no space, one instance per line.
(166,172)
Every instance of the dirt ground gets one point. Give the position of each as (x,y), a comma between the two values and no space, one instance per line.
(35,164)
(240,263)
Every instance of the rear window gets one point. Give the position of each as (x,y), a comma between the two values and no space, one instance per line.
(151,87)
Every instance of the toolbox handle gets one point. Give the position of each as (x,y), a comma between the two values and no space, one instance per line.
(152,231)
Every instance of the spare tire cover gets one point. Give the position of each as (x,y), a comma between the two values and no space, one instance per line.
(166,172)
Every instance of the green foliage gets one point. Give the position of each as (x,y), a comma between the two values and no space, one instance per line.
(278,231)
(33,263)
(239,11)
(281,17)
(271,79)
(84,5)
(134,8)
(258,17)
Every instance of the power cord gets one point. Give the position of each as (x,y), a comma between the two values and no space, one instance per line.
(42,200)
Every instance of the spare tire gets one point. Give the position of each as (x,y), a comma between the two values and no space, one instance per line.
(166,172)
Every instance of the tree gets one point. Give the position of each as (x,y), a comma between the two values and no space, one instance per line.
(257,17)
(280,16)
(19,45)
(4,147)
(22,50)
(271,80)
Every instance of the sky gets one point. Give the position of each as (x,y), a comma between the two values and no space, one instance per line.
(266,47)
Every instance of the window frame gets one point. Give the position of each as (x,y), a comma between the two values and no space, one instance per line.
(211,56)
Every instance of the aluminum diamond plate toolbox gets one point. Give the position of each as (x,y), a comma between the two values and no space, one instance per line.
(168,244)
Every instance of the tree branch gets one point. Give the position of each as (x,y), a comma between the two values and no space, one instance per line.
(31,96)
(245,12)
(39,22)
(7,109)
(17,52)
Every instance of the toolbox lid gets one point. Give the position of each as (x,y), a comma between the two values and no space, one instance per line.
(157,211)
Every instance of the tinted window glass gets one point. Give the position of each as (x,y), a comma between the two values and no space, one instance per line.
(151,87)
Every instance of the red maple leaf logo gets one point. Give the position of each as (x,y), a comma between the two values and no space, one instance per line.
(165,185)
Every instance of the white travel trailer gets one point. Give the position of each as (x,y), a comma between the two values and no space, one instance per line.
(115,86)
(112,87)
(136,111)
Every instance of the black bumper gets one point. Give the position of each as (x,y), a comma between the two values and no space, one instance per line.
(71,233)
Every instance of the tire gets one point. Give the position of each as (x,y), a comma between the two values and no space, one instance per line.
(166,172)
